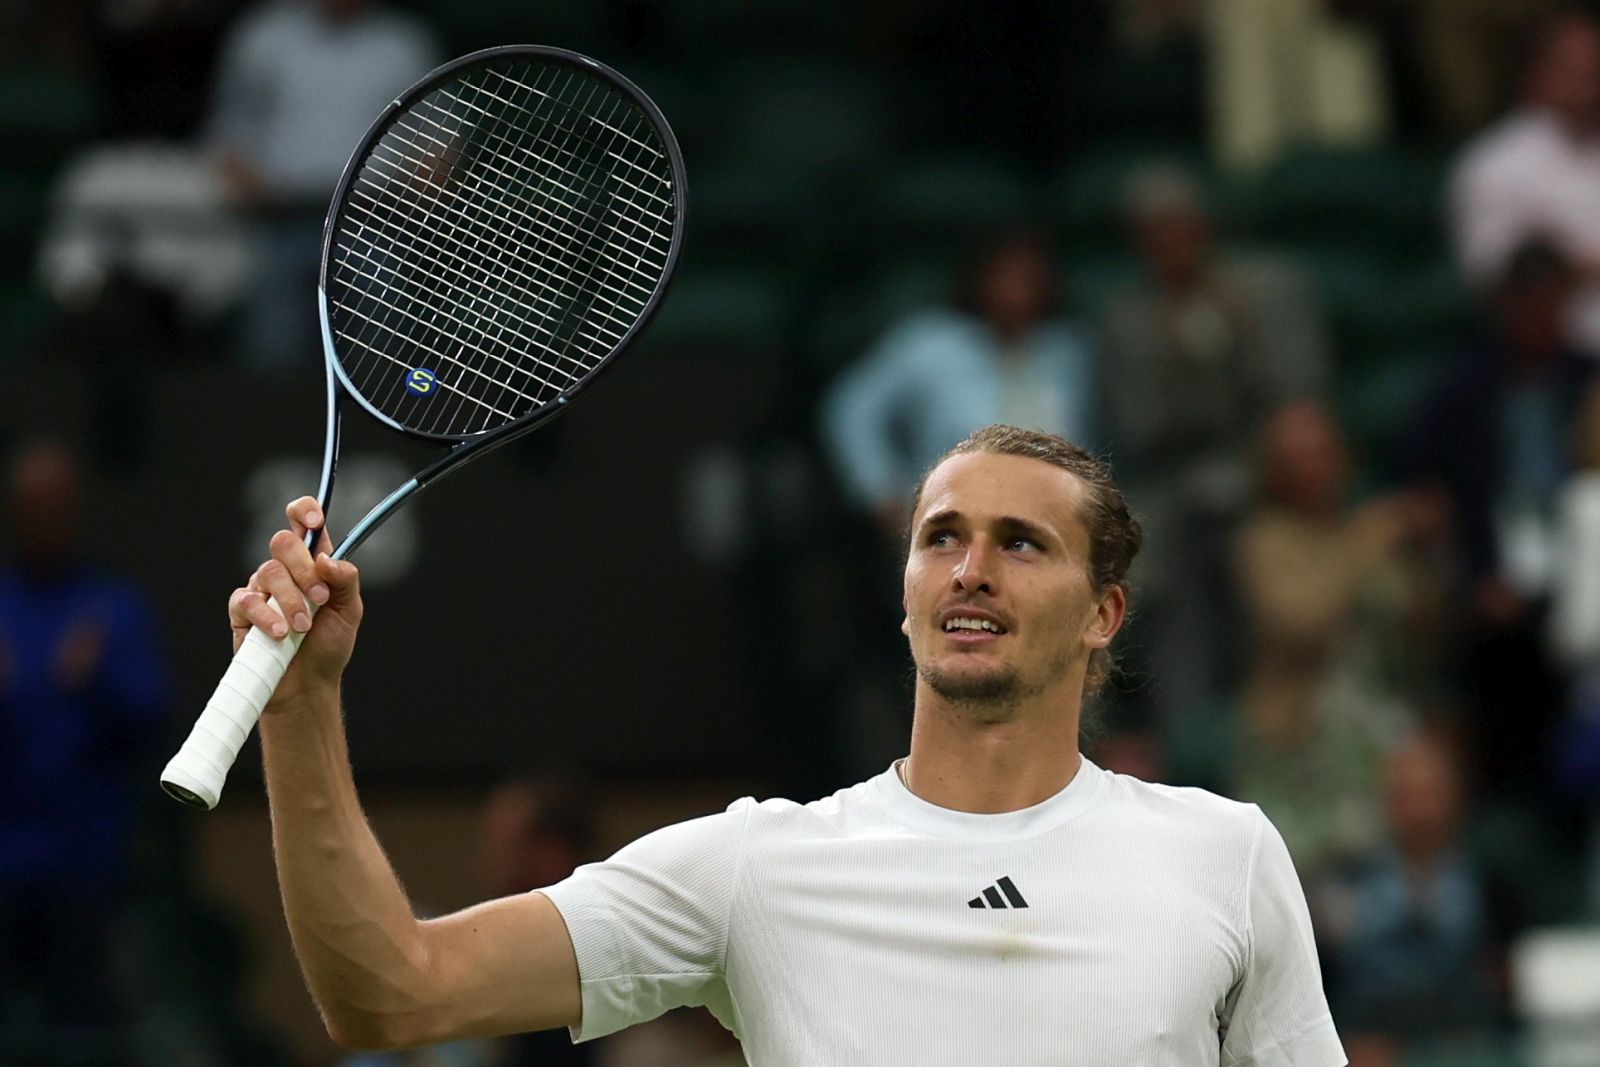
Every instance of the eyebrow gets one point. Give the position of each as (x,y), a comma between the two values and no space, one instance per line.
(1009,523)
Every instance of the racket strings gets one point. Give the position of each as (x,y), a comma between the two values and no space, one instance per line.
(543,172)
(461,268)
(504,235)
(501,275)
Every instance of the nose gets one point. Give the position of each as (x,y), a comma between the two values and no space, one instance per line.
(974,573)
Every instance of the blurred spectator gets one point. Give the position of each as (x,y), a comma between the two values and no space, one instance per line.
(1461,49)
(82,692)
(1494,436)
(998,355)
(142,250)
(1326,594)
(1197,354)
(535,832)
(1575,624)
(1291,72)
(299,82)
(1536,174)
(152,242)
(1412,947)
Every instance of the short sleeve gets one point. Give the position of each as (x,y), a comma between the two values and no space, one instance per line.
(649,926)
(1277,1014)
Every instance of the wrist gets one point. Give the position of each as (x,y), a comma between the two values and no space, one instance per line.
(303,702)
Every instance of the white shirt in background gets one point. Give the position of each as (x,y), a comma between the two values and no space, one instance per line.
(1115,923)
(1523,178)
(935,377)
(296,90)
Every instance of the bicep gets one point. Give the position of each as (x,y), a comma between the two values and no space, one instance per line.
(504,966)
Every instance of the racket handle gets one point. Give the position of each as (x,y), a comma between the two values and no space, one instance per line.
(196,774)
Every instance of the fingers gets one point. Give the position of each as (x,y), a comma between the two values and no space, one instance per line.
(341,577)
(248,607)
(305,514)
(291,578)
(297,580)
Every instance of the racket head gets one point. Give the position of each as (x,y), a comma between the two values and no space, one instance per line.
(506,227)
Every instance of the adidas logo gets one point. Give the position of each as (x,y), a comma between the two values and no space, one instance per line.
(1012,898)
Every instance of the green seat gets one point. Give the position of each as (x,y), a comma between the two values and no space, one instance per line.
(1380,202)
(736,311)
(802,116)
(44,114)
(1376,306)
(22,209)
(812,26)
(1351,286)
(943,207)
(1159,91)
(1091,281)
(756,217)
(1422,304)
(1377,402)
(472,24)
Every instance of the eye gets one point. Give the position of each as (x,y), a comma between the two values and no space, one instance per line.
(940,537)
(1023,544)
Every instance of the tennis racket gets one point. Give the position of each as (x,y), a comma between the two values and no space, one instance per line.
(504,230)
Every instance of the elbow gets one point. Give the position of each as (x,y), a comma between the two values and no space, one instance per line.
(351,1034)
(361,1032)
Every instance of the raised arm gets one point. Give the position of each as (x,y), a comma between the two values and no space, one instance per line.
(380,976)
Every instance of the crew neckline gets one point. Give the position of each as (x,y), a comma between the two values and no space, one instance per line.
(1049,814)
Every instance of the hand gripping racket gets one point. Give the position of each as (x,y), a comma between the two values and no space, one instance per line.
(506,227)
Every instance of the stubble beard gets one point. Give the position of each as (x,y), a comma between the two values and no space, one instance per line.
(990,696)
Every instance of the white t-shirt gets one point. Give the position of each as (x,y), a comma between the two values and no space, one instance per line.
(1523,178)
(1115,923)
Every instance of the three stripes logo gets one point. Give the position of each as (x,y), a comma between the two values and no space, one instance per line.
(1003,894)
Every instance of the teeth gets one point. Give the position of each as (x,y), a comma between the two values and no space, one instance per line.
(963,623)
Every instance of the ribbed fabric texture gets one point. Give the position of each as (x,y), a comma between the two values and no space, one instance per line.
(1161,926)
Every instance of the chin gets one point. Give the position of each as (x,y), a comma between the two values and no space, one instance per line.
(984,685)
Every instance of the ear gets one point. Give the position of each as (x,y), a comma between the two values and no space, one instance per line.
(1110,610)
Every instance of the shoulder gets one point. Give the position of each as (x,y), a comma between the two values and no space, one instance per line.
(841,814)
(1062,337)
(1196,817)
(930,330)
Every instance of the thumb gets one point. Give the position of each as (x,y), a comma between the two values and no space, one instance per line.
(342,578)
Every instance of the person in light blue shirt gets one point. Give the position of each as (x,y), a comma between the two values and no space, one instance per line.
(994,356)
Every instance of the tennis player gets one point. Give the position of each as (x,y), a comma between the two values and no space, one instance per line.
(994,897)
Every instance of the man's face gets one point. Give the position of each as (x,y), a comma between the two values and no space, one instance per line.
(1566,77)
(998,600)
(1014,289)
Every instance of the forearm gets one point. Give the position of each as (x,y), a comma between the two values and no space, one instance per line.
(361,948)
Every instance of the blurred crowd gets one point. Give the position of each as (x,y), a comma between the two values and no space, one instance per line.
(1321,278)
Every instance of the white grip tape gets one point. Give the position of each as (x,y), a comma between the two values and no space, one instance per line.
(202,764)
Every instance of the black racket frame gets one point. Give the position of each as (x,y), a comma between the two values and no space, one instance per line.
(463,447)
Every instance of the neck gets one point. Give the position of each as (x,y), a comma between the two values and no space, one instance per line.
(965,764)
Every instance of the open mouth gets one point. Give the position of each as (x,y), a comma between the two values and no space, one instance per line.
(970,626)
